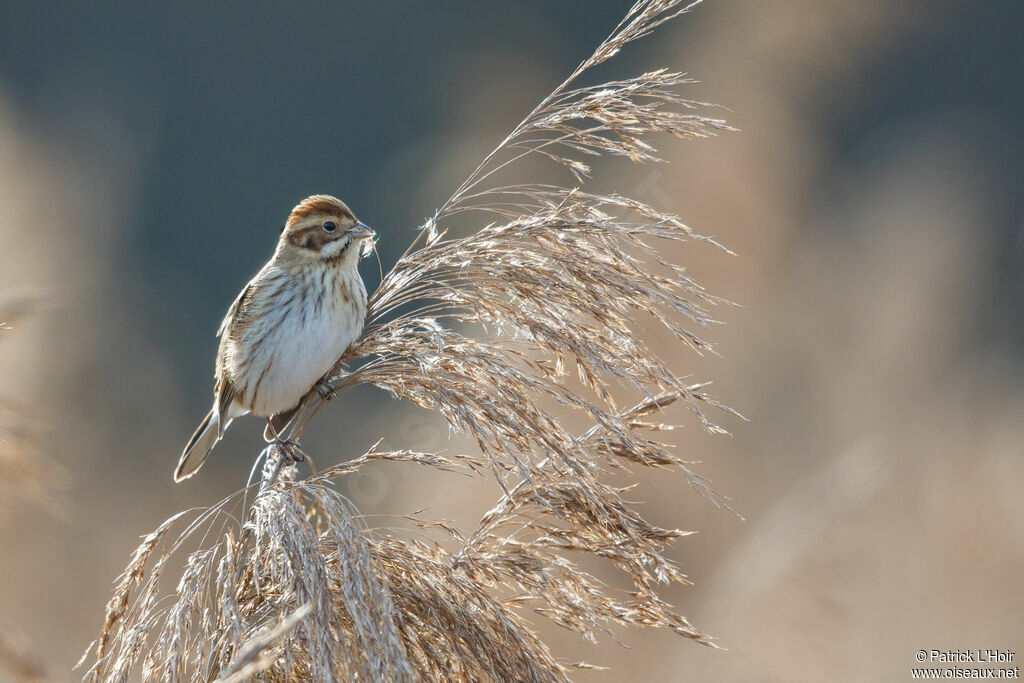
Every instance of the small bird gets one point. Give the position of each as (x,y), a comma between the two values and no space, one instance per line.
(289,325)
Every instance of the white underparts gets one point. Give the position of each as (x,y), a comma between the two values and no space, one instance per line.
(302,323)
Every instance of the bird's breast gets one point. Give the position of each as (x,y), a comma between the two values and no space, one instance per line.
(308,322)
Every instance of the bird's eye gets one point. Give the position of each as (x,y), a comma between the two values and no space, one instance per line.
(330,226)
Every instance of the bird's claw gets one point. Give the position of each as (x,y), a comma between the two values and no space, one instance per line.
(281,454)
(289,450)
(325,389)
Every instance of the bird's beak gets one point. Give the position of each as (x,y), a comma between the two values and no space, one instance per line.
(362,231)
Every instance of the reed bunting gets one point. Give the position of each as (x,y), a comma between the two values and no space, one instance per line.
(289,325)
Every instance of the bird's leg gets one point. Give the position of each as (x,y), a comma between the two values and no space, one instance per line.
(288,447)
(326,390)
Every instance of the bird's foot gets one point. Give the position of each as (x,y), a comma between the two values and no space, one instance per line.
(290,450)
(325,389)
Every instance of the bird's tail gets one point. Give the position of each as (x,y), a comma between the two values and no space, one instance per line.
(199,447)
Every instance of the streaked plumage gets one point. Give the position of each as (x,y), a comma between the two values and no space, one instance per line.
(289,325)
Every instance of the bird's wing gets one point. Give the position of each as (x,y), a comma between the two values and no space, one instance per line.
(238,319)
(224,391)
(239,304)
(224,394)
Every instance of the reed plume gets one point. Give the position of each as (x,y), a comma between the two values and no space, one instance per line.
(26,474)
(485,328)
(29,478)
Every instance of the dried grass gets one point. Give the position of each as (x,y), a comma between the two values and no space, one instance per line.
(26,477)
(26,474)
(19,660)
(485,329)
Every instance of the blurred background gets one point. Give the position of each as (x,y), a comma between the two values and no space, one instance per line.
(150,153)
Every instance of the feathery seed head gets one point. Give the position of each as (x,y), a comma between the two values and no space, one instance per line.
(484,329)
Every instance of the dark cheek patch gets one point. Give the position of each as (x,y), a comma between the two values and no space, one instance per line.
(312,238)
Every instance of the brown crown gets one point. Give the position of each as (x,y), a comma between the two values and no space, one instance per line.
(319,205)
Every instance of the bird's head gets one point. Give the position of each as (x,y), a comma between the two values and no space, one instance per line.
(321,227)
